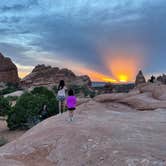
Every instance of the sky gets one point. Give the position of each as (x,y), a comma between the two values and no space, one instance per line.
(110,40)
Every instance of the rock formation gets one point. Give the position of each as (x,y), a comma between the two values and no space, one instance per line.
(147,97)
(8,70)
(162,79)
(46,75)
(140,79)
(102,134)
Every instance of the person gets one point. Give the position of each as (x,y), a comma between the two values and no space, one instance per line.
(43,113)
(61,96)
(71,104)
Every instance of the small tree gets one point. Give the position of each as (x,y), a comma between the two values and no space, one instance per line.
(26,112)
(4,106)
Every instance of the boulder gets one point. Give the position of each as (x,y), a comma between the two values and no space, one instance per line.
(148,97)
(148,87)
(43,75)
(143,101)
(162,79)
(115,96)
(8,70)
(159,92)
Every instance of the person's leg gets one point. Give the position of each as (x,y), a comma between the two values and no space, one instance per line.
(59,107)
(72,114)
(63,106)
(69,113)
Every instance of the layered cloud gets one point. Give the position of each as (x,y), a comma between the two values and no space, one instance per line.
(70,33)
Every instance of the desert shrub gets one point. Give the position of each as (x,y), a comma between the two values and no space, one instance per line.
(84,90)
(75,88)
(4,106)
(12,98)
(3,141)
(92,94)
(26,112)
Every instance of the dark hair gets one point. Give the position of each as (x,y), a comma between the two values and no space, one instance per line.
(61,85)
(70,92)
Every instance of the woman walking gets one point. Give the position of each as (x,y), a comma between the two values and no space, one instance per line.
(61,96)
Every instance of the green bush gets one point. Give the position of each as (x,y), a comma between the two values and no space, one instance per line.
(82,89)
(55,89)
(12,98)
(3,141)
(4,106)
(26,112)
(76,89)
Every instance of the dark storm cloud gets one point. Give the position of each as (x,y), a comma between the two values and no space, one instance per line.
(12,8)
(17,53)
(77,30)
(17,6)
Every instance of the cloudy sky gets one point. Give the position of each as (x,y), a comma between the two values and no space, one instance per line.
(107,39)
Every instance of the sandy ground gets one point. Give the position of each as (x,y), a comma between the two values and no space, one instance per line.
(7,134)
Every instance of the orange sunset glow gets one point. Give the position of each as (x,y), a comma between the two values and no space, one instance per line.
(123,66)
(96,76)
(22,74)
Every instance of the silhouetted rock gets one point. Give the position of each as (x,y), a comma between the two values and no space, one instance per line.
(162,79)
(152,79)
(43,75)
(140,79)
(159,92)
(8,70)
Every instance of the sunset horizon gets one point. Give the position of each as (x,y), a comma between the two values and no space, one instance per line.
(110,40)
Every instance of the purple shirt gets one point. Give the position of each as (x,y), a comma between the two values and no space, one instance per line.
(71,101)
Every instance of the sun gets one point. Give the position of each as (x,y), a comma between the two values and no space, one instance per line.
(123,65)
(123,78)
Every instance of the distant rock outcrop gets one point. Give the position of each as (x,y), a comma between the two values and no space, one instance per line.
(162,79)
(147,97)
(140,79)
(46,75)
(8,70)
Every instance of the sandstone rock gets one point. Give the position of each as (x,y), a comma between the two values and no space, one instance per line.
(159,92)
(46,75)
(140,79)
(8,70)
(98,136)
(162,79)
(148,87)
(114,96)
(150,97)
(143,101)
